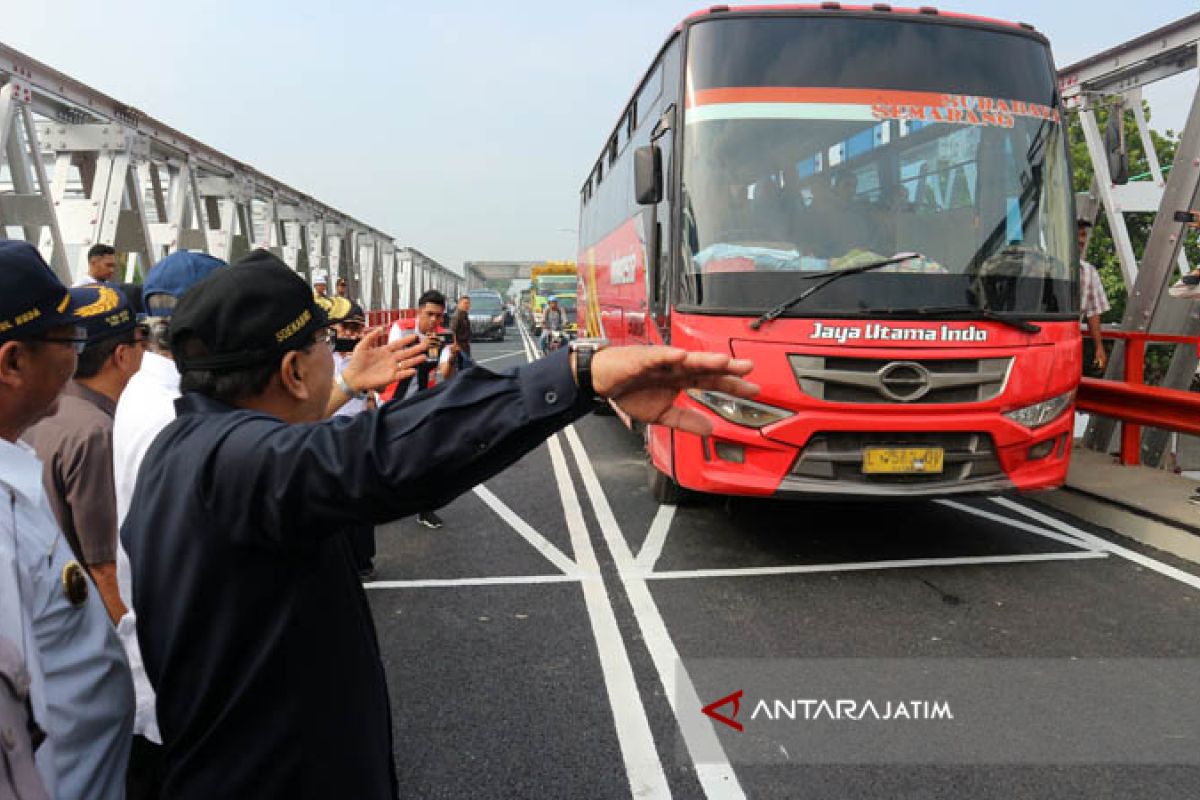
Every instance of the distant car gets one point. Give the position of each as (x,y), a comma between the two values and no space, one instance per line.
(487,315)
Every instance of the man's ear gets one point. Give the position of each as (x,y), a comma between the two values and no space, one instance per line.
(292,375)
(14,364)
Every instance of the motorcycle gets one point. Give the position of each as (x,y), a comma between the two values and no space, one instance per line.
(557,340)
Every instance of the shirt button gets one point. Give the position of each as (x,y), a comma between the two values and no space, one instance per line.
(9,739)
(481,446)
(551,397)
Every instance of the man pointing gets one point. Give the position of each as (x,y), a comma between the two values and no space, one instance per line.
(254,627)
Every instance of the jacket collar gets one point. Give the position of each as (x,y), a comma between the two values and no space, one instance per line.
(21,469)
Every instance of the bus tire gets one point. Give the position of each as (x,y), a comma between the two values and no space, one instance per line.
(664,489)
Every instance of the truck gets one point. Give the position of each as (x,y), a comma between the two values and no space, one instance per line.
(558,279)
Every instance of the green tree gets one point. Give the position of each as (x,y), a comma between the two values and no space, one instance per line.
(1101,252)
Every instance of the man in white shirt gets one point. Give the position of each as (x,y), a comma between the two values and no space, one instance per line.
(102,265)
(431,310)
(146,407)
(80,686)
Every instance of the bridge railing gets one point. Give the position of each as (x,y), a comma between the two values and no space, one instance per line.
(1134,403)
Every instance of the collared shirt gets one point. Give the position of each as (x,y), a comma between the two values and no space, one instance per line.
(254,626)
(75,445)
(85,688)
(1092,301)
(146,407)
(19,776)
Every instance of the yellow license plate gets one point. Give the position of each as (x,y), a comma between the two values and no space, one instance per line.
(903,460)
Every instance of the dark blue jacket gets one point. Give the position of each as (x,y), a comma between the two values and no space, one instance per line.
(255,630)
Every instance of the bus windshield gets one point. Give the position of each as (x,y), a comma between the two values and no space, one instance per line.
(817,144)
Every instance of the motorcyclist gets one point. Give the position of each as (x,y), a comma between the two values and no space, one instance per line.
(552,320)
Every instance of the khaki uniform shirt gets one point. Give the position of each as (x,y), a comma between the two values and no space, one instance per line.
(75,447)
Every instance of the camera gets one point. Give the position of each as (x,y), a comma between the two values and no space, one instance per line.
(443,340)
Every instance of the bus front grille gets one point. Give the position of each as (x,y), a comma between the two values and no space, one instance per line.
(919,381)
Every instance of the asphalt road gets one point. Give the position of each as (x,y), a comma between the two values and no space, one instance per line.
(559,636)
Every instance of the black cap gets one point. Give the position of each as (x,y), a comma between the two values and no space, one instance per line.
(110,314)
(246,315)
(32,298)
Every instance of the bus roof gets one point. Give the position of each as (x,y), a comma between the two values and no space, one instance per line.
(877,7)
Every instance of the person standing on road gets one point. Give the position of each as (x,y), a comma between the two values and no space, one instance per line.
(247,595)
(101,266)
(460,326)
(83,696)
(439,367)
(146,407)
(75,442)
(349,323)
(1093,300)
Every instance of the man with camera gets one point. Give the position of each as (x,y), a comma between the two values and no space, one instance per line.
(443,356)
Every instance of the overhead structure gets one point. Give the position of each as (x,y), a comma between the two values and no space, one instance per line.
(79,168)
(1115,78)
(417,272)
(480,272)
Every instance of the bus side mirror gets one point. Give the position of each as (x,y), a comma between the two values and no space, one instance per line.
(647,175)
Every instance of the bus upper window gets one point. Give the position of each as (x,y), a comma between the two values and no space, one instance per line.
(649,94)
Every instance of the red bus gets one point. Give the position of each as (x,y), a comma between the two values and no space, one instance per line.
(873,205)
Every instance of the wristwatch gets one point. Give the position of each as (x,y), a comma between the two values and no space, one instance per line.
(584,349)
(346,390)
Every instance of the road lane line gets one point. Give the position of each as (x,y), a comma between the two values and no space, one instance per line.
(713,769)
(509,354)
(644,769)
(1074,541)
(1103,544)
(539,542)
(653,546)
(497,580)
(864,566)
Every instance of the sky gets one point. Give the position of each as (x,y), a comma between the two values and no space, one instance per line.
(461,128)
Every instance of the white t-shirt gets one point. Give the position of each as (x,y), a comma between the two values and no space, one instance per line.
(146,407)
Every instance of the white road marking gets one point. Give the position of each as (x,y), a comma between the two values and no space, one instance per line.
(509,354)
(1103,544)
(499,580)
(1074,541)
(863,566)
(653,546)
(539,542)
(713,769)
(644,769)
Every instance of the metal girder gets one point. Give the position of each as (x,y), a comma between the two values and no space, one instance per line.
(1149,307)
(123,178)
(1159,54)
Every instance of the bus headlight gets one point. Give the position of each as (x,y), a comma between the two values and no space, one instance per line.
(737,410)
(1043,413)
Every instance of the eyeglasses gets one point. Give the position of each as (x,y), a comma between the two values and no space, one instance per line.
(78,341)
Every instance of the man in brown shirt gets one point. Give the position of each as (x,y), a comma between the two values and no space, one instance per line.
(460,326)
(75,442)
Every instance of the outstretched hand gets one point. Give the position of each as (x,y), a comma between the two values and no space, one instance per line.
(375,364)
(644,382)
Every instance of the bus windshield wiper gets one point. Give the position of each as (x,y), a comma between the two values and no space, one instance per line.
(963,312)
(829,275)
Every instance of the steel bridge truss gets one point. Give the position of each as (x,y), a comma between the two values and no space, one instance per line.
(78,168)
(1116,78)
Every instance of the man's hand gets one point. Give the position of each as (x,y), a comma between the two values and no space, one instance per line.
(1101,359)
(644,382)
(375,364)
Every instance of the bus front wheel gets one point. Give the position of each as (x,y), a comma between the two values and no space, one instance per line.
(664,488)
